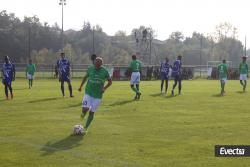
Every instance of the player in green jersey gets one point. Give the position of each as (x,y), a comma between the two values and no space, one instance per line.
(243,73)
(135,69)
(30,71)
(96,75)
(223,71)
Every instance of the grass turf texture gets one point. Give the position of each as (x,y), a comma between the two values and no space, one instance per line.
(159,130)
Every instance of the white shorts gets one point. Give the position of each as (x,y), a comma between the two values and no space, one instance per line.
(243,77)
(135,78)
(29,76)
(91,102)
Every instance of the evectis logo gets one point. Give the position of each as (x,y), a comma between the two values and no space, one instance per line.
(232,151)
(236,151)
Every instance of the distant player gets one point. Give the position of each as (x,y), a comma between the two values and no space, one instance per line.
(176,74)
(164,69)
(30,71)
(135,69)
(8,73)
(223,71)
(243,73)
(96,75)
(63,66)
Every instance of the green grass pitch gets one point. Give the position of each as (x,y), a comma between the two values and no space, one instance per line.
(157,131)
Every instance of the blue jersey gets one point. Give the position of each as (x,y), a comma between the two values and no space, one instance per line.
(176,70)
(165,67)
(8,72)
(63,66)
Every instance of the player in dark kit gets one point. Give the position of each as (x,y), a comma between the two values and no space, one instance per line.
(164,69)
(63,66)
(176,74)
(8,73)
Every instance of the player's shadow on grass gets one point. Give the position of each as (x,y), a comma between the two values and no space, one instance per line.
(171,96)
(157,94)
(43,100)
(118,103)
(62,145)
(75,105)
(240,92)
(217,95)
(20,89)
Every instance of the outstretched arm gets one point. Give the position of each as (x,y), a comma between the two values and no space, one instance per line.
(247,71)
(108,85)
(83,81)
(14,72)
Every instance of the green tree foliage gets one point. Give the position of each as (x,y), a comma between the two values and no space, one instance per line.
(42,42)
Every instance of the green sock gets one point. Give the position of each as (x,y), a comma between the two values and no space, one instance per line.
(223,86)
(29,83)
(89,120)
(138,89)
(241,83)
(83,115)
(134,89)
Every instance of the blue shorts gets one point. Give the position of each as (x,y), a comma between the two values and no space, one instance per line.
(164,76)
(177,77)
(64,78)
(7,81)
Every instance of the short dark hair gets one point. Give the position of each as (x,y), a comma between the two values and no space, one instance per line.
(6,58)
(133,57)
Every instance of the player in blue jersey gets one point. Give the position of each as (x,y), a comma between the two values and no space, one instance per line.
(63,66)
(164,70)
(8,74)
(176,74)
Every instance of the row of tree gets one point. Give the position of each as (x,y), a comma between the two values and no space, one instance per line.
(29,38)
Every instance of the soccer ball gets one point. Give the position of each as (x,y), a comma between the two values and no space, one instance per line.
(78,130)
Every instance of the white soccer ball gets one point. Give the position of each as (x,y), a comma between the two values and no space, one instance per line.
(78,130)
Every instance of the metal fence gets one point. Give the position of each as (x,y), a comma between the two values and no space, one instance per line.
(120,72)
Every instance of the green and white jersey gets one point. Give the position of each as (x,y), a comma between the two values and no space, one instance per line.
(243,68)
(135,66)
(96,80)
(222,68)
(30,69)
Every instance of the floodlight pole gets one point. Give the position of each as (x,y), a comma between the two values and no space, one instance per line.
(29,32)
(93,36)
(245,46)
(150,47)
(63,3)
(200,54)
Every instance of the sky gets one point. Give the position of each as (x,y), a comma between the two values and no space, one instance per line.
(164,16)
